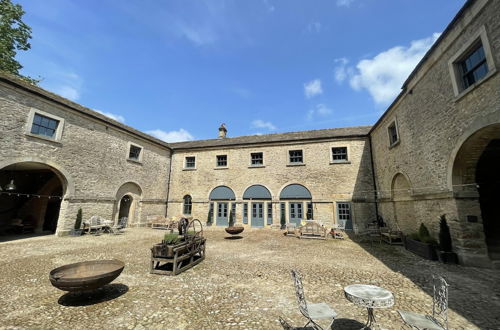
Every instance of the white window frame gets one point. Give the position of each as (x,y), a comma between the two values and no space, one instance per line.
(185,163)
(58,132)
(217,161)
(453,63)
(141,154)
(303,162)
(257,165)
(336,161)
(395,143)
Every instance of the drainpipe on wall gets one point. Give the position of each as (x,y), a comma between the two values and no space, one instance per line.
(373,177)
(168,184)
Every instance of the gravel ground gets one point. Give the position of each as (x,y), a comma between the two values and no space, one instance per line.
(242,284)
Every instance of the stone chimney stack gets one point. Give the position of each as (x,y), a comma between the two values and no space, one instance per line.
(222,131)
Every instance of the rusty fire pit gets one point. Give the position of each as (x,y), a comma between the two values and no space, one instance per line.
(87,275)
(234,230)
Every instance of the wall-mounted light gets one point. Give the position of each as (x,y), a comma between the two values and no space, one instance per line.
(10,186)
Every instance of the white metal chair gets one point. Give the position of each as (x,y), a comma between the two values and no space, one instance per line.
(313,312)
(439,318)
(119,226)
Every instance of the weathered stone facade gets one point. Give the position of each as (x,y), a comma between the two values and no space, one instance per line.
(328,182)
(442,158)
(428,172)
(90,158)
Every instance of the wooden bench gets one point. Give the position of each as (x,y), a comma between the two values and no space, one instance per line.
(391,236)
(96,225)
(312,230)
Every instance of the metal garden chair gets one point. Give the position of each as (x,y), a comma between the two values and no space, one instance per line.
(313,312)
(439,318)
(119,226)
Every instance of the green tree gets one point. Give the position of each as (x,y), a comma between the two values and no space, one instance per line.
(14,36)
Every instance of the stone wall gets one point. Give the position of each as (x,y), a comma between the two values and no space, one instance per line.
(327,182)
(433,122)
(91,157)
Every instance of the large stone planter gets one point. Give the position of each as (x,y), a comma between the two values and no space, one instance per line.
(235,230)
(424,250)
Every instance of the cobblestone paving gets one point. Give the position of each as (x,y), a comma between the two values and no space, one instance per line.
(242,284)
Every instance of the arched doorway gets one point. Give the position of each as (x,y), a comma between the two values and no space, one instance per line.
(128,203)
(299,198)
(30,198)
(224,198)
(476,178)
(403,204)
(257,199)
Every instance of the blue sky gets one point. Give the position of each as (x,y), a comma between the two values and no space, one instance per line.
(177,69)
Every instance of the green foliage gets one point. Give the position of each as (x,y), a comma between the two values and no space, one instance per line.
(423,235)
(171,238)
(444,235)
(14,35)
(209,217)
(283,220)
(79,217)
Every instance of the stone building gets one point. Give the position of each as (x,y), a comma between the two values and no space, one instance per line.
(60,157)
(436,150)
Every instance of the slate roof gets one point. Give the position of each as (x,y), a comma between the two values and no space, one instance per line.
(321,134)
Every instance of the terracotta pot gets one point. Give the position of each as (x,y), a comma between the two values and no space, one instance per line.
(234,230)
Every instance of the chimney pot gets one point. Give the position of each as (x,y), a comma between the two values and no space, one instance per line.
(222,131)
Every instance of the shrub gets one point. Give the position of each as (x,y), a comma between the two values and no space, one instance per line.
(209,217)
(171,238)
(79,217)
(423,236)
(231,219)
(423,231)
(414,236)
(283,221)
(444,235)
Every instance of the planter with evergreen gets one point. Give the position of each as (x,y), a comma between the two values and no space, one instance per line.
(232,229)
(77,230)
(421,243)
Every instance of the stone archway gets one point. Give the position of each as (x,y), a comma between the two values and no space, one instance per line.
(128,203)
(31,195)
(403,204)
(475,182)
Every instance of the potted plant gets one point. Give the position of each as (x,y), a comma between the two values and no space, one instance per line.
(165,249)
(209,217)
(445,253)
(283,221)
(421,243)
(232,229)
(77,230)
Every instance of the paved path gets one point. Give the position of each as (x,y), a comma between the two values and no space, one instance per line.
(242,284)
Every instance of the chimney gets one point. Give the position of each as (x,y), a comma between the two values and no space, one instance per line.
(222,131)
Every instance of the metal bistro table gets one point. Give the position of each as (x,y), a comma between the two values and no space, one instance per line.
(369,296)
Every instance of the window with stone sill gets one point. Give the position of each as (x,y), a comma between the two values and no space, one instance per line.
(190,162)
(44,125)
(393,134)
(256,159)
(339,154)
(134,152)
(221,160)
(295,156)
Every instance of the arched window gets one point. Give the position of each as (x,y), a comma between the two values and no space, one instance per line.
(187,205)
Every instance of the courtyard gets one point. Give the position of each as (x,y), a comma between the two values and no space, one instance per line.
(242,284)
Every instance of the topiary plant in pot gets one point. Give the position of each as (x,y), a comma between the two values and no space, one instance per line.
(283,221)
(232,229)
(77,230)
(445,253)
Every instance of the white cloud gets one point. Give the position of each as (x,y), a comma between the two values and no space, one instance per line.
(320,110)
(113,116)
(344,3)
(172,136)
(383,75)
(258,123)
(68,92)
(314,27)
(313,88)
(342,71)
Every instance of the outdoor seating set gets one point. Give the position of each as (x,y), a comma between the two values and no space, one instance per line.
(373,297)
(160,222)
(374,233)
(312,229)
(97,225)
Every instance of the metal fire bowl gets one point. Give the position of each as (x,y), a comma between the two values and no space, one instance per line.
(87,275)
(234,230)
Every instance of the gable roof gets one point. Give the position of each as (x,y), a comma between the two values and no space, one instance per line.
(321,134)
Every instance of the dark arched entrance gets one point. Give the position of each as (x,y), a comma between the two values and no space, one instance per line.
(30,198)
(125,204)
(488,184)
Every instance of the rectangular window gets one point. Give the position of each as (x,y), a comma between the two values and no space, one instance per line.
(269,213)
(295,156)
(221,160)
(245,213)
(44,126)
(309,211)
(344,211)
(257,158)
(134,152)
(190,162)
(473,67)
(393,134)
(339,154)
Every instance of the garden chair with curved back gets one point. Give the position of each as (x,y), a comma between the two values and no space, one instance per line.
(439,318)
(313,312)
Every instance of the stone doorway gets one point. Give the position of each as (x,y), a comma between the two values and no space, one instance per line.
(30,198)
(488,185)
